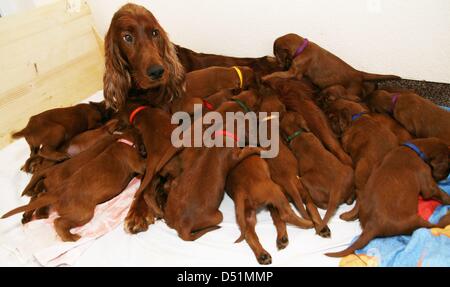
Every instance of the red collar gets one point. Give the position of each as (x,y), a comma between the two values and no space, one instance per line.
(208,105)
(135,112)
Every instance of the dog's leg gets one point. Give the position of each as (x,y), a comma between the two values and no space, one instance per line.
(313,212)
(49,153)
(432,191)
(292,191)
(352,214)
(280,225)
(139,216)
(63,225)
(252,239)
(206,224)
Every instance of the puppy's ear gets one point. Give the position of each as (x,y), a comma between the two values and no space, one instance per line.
(116,79)
(345,118)
(440,165)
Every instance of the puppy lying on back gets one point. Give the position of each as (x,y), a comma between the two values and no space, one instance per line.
(250,186)
(305,58)
(47,131)
(295,95)
(328,181)
(389,204)
(418,115)
(364,139)
(98,181)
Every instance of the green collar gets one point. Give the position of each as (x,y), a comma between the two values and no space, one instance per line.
(294,135)
(242,105)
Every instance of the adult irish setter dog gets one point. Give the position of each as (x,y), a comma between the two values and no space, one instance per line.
(140,60)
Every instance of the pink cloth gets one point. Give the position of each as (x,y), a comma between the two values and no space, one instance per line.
(40,240)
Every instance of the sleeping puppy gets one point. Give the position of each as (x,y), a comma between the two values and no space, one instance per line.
(250,186)
(47,131)
(297,97)
(364,139)
(328,181)
(418,115)
(203,83)
(395,127)
(98,181)
(389,204)
(305,58)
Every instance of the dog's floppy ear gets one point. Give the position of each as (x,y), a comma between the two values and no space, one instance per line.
(440,165)
(344,119)
(116,79)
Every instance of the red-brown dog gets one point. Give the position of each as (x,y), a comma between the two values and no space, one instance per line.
(328,181)
(389,204)
(365,140)
(250,186)
(418,115)
(305,58)
(98,181)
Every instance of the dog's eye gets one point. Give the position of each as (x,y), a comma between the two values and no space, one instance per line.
(128,38)
(155,32)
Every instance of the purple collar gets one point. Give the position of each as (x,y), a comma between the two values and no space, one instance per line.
(301,48)
(393,103)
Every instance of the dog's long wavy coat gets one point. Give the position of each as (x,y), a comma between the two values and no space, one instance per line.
(139,57)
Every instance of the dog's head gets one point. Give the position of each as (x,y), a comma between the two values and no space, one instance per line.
(139,55)
(292,122)
(284,48)
(438,155)
(340,113)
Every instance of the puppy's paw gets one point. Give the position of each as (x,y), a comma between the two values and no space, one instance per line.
(282,242)
(325,232)
(138,220)
(264,258)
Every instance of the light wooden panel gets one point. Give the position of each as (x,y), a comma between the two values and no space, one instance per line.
(48,58)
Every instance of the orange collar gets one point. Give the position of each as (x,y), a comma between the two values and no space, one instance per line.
(135,112)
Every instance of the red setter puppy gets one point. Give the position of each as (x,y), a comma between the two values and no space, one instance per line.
(139,58)
(389,203)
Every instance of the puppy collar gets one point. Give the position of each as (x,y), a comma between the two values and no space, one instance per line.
(242,105)
(417,150)
(241,78)
(227,134)
(125,141)
(208,105)
(393,103)
(301,48)
(135,112)
(294,135)
(358,115)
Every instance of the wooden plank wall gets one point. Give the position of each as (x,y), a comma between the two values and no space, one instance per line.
(49,57)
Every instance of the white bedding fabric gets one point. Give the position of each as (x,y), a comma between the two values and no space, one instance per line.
(160,245)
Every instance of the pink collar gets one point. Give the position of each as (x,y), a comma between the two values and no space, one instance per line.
(125,141)
(393,103)
(301,48)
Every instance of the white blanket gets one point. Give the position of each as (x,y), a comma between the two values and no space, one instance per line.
(35,243)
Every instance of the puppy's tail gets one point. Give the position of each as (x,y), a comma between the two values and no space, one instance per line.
(41,201)
(362,241)
(378,77)
(19,134)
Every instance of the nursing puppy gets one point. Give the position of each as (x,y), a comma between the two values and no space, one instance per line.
(47,131)
(364,139)
(297,97)
(389,204)
(98,181)
(203,83)
(156,129)
(284,167)
(305,58)
(418,115)
(328,181)
(250,186)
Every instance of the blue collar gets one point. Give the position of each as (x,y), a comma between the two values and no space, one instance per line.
(417,150)
(358,115)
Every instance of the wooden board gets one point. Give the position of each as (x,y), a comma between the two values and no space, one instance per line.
(48,58)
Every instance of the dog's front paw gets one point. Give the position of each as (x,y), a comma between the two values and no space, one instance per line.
(138,219)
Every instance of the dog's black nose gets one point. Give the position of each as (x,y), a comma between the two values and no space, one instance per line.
(155,72)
